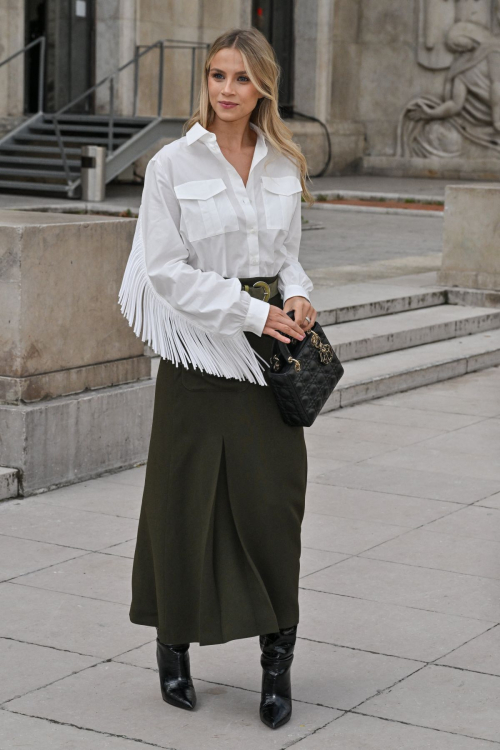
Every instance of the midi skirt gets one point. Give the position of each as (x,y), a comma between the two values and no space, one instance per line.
(218,548)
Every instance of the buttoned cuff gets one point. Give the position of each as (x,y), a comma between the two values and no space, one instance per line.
(294,290)
(256,316)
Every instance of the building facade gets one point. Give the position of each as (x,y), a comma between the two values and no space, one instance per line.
(402,86)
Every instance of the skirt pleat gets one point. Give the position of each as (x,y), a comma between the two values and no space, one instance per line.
(218,548)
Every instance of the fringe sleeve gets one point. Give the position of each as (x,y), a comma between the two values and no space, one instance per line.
(171,333)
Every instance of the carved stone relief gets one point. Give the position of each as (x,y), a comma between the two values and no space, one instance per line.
(462,38)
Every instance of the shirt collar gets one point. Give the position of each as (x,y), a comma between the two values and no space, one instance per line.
(198,131)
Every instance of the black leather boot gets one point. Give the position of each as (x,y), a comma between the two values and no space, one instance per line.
(175,678)
(276,660)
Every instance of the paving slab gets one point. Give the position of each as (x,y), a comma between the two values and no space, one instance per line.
(481,654)
(312,560)
(26,733)
(72,623)
(124,549)
(105,577)
(20,556)
(98,496)
(138,712)
(384,628)
(382,507)
(322,673)
(340,448)
(355,732)
(475,557)
(481,439)
(390,435)
(345,535)
(451,700)
(382,412)
(474,522)
(426,458)
(491,502)
(481,403)
(68,527)
(30,667)
(402,481)
(409,586)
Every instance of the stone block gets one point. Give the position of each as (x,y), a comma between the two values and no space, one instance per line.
(72,438)
(61,329)
(471,245)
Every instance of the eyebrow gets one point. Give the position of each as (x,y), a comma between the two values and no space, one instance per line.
(223,71)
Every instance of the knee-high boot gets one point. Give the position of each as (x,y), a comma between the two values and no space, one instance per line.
(175,678)
(276,660)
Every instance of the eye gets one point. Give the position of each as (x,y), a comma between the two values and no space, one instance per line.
(245,78)
(214,75)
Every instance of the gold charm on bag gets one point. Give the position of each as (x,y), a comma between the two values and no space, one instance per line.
(275,363)
(296,363)
(325,350)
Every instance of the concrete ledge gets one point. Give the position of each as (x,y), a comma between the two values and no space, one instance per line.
(74,380)
(73,438)
(9,483)
(442,169)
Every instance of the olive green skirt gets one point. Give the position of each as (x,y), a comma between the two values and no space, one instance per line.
(218,547)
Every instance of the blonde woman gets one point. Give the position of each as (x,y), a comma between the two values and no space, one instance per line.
(212,272)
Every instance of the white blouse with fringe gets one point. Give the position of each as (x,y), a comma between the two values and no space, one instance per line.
(199,230)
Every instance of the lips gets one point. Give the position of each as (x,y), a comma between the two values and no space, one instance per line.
(228,105)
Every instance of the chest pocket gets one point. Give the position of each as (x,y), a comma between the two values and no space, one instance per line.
(280,195)
(206,210)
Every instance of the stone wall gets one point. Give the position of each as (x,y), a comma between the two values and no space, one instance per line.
(11,75)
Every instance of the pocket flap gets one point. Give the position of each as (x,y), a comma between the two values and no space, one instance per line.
(282,185)
(199,190)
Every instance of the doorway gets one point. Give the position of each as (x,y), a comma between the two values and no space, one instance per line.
(68,26)
(274,18)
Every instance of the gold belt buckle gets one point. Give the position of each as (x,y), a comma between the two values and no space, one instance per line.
(265,287)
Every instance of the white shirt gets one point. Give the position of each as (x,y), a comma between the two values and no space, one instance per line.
(199,230)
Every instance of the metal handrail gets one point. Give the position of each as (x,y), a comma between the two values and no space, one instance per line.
(41,65)
(110,80)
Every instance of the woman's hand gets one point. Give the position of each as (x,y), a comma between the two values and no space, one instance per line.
(302,308)
(278,323)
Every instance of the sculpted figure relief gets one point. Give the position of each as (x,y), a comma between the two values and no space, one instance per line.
(469,112)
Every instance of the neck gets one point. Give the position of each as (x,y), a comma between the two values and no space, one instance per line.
(234,136)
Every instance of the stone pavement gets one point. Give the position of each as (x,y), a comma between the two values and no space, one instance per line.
(399,636)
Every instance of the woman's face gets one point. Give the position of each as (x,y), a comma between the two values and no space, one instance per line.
(232,94)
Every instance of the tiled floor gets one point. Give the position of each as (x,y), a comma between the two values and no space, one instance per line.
(399,634)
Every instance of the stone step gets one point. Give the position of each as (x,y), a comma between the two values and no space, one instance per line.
(9,483)
(393,372)
(366,338)
(341,304)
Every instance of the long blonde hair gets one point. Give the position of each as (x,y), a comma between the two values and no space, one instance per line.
(264,72)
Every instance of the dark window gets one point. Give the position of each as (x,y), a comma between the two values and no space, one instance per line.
(274,18)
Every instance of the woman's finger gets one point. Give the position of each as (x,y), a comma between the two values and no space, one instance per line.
(275,334)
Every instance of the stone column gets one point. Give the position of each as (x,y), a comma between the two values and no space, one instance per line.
(11,75)
(75,386)
(471,243)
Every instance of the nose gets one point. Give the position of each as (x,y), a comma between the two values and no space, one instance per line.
(228,87)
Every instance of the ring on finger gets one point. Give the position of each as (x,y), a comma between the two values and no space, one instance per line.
(308,319)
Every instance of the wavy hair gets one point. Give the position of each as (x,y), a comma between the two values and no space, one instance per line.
(264,72)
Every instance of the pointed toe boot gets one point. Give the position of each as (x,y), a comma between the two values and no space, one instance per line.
(276,660)
(175,678)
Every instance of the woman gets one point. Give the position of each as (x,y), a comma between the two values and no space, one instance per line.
(213,270)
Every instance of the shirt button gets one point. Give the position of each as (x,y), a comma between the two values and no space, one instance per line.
(252,230)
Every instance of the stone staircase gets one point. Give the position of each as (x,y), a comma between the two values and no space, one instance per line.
(391,337)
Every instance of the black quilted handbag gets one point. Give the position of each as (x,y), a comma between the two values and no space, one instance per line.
(303,375)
